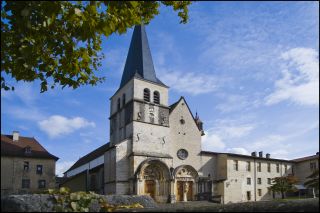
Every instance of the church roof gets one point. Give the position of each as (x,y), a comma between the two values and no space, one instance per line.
(90,156)
(139,62)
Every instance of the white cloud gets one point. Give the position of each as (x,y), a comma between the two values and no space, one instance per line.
(189,82)
(235,102)
(62,166)
(57,125)
(212,142)
(30,113)
(238,150)
(237,131)
(225,130)
(300,79)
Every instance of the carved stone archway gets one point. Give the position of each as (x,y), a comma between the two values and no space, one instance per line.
(185,183)
(153,178)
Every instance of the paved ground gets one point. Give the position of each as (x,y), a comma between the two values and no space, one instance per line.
(186,205)
(303,205)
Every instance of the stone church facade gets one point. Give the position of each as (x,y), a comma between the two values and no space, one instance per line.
(155,148)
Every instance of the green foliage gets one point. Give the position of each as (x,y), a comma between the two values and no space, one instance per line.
(313,181)
(81,201)
(59,42)
(283,184)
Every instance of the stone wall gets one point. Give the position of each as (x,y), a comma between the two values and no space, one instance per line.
(46,203)
(12,173)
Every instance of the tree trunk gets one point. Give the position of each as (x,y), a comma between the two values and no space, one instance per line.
(282,195)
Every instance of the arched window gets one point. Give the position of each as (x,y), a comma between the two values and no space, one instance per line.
(146,95)
(156,97)
(123,100)
(118,104)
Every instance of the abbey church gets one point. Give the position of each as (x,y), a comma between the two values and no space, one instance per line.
(155,147)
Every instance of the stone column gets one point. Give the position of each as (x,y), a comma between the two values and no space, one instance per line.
(185,191)
(172,196)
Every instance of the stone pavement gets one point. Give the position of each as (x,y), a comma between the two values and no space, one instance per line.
(303,205)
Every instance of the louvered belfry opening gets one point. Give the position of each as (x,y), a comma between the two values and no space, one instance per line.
(156,97)
(146,95)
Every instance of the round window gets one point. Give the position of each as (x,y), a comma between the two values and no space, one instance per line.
(182,154)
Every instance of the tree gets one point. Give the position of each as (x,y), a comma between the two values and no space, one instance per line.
(59,42)
(313,181)
(283,184)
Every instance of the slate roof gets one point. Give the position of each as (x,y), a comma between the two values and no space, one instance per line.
(91,156)
(245,156)
(139,62)
(306,158)
(17,148)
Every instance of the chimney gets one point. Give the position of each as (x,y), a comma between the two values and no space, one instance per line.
(15,136)
(267,155)
(254,154)
(260,154)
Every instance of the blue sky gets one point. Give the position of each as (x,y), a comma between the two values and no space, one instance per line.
(250,70)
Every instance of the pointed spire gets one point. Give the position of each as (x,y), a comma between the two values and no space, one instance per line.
(139,60)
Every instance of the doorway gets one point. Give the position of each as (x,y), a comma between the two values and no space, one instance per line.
(150,187)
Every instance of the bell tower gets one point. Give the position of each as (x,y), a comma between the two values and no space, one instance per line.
(142,99)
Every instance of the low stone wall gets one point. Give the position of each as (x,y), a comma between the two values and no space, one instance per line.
(46,202)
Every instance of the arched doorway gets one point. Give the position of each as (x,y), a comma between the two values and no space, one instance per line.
(153,178)
(186,179)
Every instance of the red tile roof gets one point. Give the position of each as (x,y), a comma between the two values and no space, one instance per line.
(17,148)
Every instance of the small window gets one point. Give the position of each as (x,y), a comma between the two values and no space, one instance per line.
(248,181)
(313,166)
(39,169)
(259,166)
(248,166)
(259,180)
(123,100)
(118,104)
(269,167)
(259,192)
(269,180)
(26,166)
(25,183)
(235,165)
(27,150)
(278,169)
(42,184)
(156,97)
(248,195)
(146,95)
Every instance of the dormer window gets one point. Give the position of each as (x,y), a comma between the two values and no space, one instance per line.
(156,97)
(27,150)
(146,95)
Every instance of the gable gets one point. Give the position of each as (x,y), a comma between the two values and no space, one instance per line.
(183,109)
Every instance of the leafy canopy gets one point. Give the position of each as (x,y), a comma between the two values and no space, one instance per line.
(59,42)
(283,184)
(313,180)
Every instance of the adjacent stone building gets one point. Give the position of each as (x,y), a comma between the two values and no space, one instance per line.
(26,166)
(87,173)
(305,166)
(155,148)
